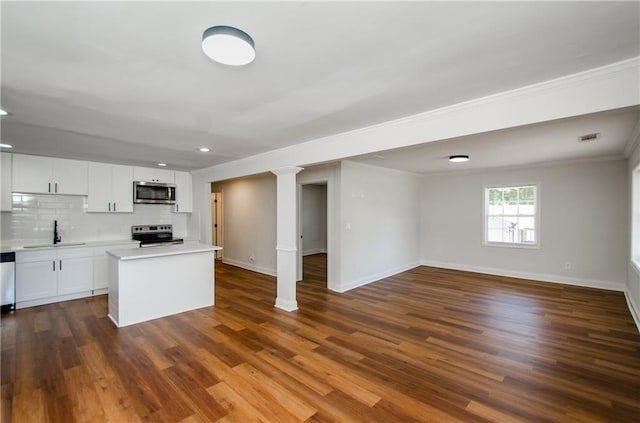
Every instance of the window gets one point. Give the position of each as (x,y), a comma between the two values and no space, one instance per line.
(511,215)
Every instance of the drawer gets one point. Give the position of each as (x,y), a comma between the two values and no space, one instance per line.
(67,253)
(33,256)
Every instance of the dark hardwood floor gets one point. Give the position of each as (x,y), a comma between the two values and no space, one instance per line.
(425,345)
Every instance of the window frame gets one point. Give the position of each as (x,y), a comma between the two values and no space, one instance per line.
(635,217)
(485,215)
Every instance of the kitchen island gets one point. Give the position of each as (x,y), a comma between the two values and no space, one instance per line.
(147,283)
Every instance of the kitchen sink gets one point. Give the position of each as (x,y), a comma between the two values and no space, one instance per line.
(61,244)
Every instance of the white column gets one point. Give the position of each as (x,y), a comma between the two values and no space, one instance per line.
(286,244)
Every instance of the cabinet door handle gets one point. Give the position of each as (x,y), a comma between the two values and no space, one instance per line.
(109,206)
(114,206)
(56,187)
(49,187)
(177,208)
(54,265)
(60,264)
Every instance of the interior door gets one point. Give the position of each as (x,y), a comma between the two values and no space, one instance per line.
(216,222)
(299,234)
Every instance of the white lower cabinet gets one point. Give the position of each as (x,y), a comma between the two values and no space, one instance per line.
(53,275)
(100,265)
(75,270)
(36,276)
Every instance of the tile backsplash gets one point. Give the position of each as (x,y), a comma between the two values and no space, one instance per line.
(32,216)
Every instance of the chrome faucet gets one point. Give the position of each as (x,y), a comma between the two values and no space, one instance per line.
(56,235)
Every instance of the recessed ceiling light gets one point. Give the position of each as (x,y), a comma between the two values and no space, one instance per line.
(228,45)
(459,158)
(6,145)
(162,164)
(3,112)
(204,149)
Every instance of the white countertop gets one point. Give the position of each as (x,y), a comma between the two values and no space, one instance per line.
(161,251)
(70,244)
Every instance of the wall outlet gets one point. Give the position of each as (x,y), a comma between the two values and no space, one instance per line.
(567,265)
(251,257)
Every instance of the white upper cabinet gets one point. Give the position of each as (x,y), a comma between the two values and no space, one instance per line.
(183,193)
(32,173)
(5,189)
(46,175)
(122,188)
(110,188)
(148,174)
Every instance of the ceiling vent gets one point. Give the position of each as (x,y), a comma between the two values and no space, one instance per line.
(589,137)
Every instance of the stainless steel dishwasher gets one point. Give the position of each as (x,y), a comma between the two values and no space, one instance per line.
(8,280)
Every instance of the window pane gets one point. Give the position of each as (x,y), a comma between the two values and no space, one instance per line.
(496,209)
(511,195)
(526,209)
(511,214)
(495,196)
(511,209)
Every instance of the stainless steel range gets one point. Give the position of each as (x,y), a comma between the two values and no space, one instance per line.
(154,235)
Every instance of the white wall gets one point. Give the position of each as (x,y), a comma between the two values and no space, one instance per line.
(32,216)
(379,223)
(314,219)
(583,220)
(249,209)
(632,291)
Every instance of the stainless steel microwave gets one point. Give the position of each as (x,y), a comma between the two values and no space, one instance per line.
(154,193)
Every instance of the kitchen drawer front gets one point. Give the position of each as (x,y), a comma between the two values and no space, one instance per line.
(68,253)
(33,256)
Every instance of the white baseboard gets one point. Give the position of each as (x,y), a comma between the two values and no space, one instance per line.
(249,266)
(376,277)
(633,308)
(51,300)
(314,251)
(286,305)
(588,283)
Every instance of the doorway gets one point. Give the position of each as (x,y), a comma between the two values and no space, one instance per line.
(312,229)
(217,222)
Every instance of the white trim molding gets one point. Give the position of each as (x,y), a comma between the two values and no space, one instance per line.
(376,277)
(249,266)
(587,283)
(633,308)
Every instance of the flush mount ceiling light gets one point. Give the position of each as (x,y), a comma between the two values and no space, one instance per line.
(459,158)
(204,149)
(3,112)
(162,164)
(3,145)
(228,45)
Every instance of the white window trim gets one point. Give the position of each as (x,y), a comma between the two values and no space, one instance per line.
(486,243)
(635,223)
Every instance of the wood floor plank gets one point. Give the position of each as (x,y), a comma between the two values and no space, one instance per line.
(426,345)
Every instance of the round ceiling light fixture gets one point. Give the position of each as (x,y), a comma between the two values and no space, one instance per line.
(459,158)
(3,112)
(204,149)
(162,164)
(3,145)
(228,45)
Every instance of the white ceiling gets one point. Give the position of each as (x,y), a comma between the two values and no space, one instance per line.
(541,143)
(127,82)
